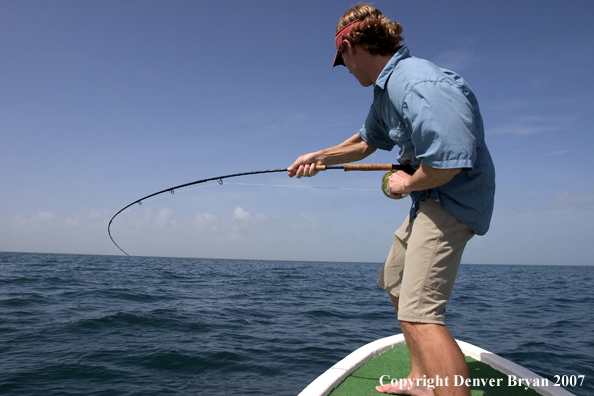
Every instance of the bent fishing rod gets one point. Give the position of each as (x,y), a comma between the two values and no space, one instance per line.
(389,168)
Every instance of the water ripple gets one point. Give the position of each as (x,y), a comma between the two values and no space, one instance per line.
(156,326)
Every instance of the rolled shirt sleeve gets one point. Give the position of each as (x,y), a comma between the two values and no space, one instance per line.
(374,131)
(432,115)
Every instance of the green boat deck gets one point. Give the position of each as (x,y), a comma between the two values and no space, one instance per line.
(395,363)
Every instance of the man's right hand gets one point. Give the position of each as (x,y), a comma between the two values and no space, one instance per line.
(351,150)
(304,166)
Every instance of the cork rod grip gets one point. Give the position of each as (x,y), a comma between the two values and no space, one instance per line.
(367,167)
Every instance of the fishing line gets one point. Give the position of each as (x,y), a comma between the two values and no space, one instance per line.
(144,201)
(219,179)
(288,186)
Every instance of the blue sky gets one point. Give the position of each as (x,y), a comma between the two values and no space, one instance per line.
(103,102)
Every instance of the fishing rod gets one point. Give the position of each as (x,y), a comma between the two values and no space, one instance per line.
(389,168)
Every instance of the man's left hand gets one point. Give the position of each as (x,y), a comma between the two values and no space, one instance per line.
(399,183)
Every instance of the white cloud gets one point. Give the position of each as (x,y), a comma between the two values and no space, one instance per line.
(554,233)
(240,214)
(532,235)
(48,232)
(559,152)
(528,125)
(340,203)
(578,202)
(44,216)
(456,59)
(510,105)
(563,204)
(164,232)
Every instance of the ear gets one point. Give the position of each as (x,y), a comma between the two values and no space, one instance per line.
(348,45)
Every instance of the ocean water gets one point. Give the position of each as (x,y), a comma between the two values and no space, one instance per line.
(110,325)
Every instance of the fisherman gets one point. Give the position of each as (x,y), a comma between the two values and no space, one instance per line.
(433,117)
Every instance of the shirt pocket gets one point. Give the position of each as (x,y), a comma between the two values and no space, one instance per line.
(399,133)
(402,137)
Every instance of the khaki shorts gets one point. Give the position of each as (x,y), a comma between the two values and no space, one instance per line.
(422,265)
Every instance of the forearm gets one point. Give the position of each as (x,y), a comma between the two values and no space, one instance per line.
(424,178)
(352,149)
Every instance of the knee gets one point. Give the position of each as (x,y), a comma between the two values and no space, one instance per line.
(394,302)
(408,327)
(420,330)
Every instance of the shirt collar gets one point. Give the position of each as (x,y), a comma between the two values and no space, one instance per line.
(402,53)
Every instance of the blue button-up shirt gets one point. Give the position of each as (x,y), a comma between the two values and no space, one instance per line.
(432,115)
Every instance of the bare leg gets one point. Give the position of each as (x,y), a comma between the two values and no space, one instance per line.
(433,352)
(417,371)
(440,354)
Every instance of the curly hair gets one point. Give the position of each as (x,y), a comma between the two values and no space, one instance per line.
(376,34)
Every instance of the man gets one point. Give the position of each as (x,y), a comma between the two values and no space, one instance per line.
(432,115)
